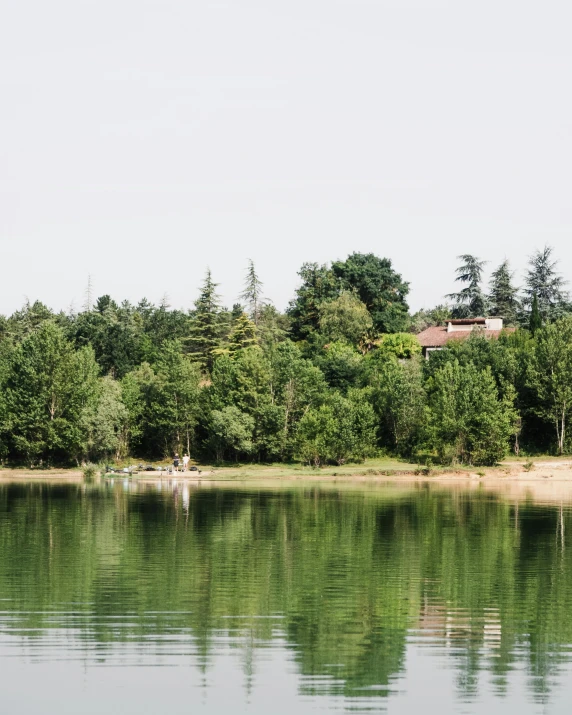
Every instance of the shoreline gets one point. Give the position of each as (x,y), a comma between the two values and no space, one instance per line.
(548,481)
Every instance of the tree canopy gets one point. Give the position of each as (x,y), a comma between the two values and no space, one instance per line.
(339,376)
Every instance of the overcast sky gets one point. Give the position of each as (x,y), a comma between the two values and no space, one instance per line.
(144,140)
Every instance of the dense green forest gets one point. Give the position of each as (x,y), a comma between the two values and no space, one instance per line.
(338,377)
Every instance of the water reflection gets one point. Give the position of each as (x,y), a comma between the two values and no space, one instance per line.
(348,595)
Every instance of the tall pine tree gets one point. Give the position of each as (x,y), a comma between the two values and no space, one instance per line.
(252,293)
(544,282)
(503,294)
(243,334)
(470,301)
(206,325)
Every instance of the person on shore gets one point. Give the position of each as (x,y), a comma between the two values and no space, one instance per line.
(185,462)
(176,462)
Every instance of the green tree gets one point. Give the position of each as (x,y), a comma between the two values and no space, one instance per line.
(341,430)
(163,402)
(206,329)
(26,321)
(114,332)
(535,321)
(273,326)
(423,319)
(345,318)
(398,397)
(503,296)
(378,286)
(468,422)
(243,334)
(550,376)
(341,364)
(106,422)
(399,345)
(244,380)
(47,390)
(318,285)
(296,385)
(6,349)
(470,301)
(231,432)
(253,292)
(543,281)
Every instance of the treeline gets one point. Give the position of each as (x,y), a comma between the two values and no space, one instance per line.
(338,377)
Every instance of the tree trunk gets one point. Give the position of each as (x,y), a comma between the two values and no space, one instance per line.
(558,436)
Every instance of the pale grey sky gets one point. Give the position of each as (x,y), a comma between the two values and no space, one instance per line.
(141,141)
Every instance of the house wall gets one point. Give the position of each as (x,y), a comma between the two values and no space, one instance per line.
(494,323)
(459,328)
(490,324)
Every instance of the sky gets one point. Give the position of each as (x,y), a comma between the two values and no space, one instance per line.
(144,140)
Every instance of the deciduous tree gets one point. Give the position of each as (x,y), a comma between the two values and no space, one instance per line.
(550,376)
(468,422)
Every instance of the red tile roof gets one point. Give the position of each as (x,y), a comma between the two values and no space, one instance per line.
(437,336)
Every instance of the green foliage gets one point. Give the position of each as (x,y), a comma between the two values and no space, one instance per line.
(318,285)
(27,321)
(399,399)
(378,286)
(503,294)
(535,321)
(468,422)
(345,318)
(341,430)
(372,279)
(205,335)
(162,402)
(399,345)
(423,319)
(253,292)
(106,422)
(48,388)
(550,376)
(470,301)
(544,282)
(90,471)
(341,364)
(121,379)
(243,334)
(273,326)
(231,432)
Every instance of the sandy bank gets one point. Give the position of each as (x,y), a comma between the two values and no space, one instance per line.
(546,481)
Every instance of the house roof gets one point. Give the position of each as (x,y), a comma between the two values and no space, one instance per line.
(437,336)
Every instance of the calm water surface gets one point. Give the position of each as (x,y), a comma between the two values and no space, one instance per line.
(124,598)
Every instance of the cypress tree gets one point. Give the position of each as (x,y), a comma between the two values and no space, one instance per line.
(535,317)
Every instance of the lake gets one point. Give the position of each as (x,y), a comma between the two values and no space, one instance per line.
(128,598)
